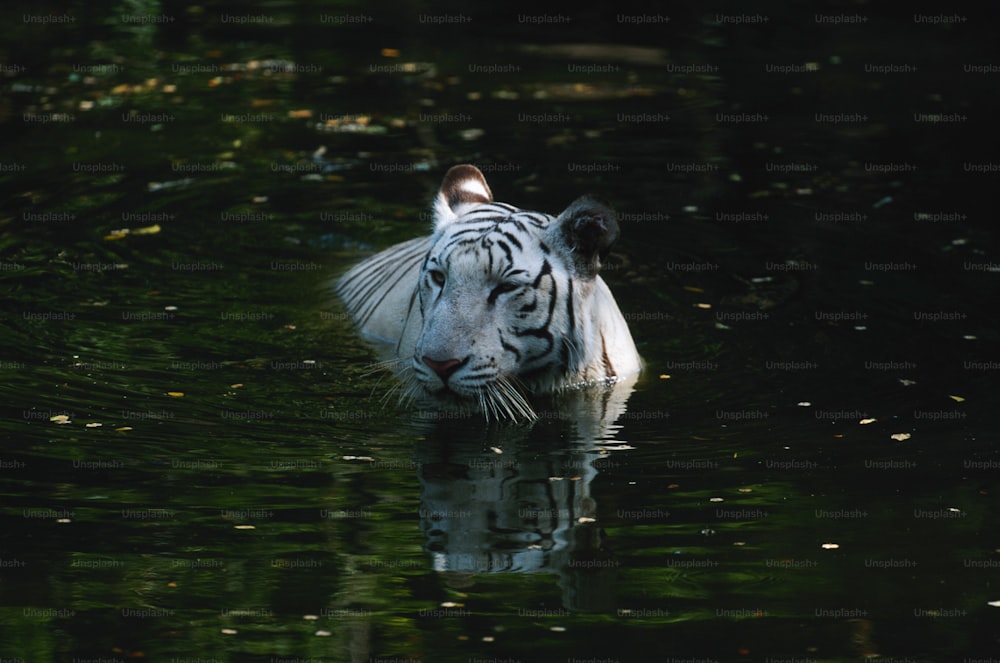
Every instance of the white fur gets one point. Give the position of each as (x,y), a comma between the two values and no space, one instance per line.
(382,295)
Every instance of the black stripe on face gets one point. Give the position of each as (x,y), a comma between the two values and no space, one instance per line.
(528,308)
(537,219)
(506,251)
(543,331)
(489,260)
(545,271)
(508,347)
(512,239)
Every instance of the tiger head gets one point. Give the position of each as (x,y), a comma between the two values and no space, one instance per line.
(503,295)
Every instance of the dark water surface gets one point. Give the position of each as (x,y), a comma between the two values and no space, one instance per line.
(196,464)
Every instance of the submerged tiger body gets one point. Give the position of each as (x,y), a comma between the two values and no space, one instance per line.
(497,304)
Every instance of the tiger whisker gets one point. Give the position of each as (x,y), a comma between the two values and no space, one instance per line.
(405,386)
(409,385)
(384,400)
(389,365)
(509,398)
(512,399)
(486,402)
(503,398)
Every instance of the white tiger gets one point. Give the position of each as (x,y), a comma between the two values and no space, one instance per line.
(497,304)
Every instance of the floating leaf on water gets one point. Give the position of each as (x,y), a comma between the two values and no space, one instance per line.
(900,437)
(993,604)
(496,450)
(830,546)
(664,376)
(123,428)
(804,404)
(868,421)
(244,527)
(558,629)
(489,638)
(147,230)
(693,288)
(176,394)
(238,385)
(311,618)
(452,604)
(60,419)
(323,634)
(907,383)
(703,305)
(585,519)
(390,52)
(229,631)
(957,399)
(94,425)
(716,499)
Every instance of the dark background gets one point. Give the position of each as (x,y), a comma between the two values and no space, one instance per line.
(208,379)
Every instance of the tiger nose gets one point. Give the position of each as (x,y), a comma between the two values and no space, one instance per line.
(444,369)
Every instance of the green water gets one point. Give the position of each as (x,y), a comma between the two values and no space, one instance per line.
(197,463)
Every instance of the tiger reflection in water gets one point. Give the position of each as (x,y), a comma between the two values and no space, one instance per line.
(528,509)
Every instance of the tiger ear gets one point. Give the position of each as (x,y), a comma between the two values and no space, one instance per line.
(462,186)
(586,230)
